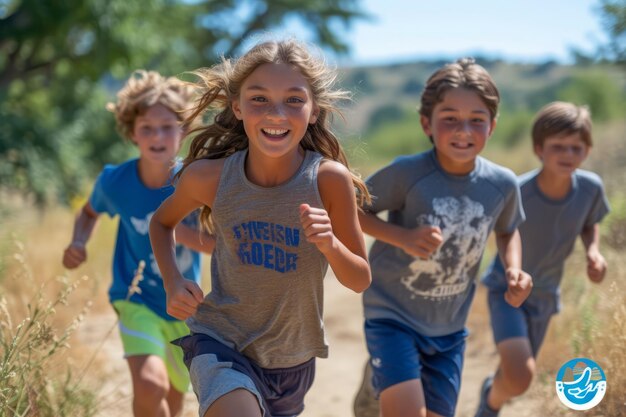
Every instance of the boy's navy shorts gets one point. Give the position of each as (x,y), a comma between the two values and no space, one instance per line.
(216,369)
(530,320)
(398,354)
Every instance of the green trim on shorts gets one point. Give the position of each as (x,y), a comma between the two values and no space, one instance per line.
(143,332)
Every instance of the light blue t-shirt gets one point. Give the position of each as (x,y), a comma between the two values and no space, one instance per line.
(433,295)
(551,228)
(119,191)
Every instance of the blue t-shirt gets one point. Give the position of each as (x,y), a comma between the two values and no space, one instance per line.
(433,295)
(119,191)
(551,228)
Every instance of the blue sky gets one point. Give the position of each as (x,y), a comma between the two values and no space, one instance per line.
(520,30)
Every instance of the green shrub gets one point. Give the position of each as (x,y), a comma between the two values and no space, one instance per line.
(604,96)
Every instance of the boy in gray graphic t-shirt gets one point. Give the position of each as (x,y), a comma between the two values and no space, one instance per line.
(561,202)
(442,205)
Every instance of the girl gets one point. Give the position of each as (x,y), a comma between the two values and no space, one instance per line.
(275,189)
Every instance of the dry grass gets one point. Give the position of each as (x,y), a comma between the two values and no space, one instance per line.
(44,370)
(34,378)
(592,324)
(32,277)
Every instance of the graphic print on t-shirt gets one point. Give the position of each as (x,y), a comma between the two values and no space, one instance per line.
(184,257)
(268,245)
(184,261)
(142,226)
(450,268)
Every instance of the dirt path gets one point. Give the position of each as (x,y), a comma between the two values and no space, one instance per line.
(337,377)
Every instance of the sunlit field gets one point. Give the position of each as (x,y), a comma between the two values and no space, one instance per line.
(59,338)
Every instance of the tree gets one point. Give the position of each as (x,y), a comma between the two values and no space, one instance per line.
(60,61)
(613,15)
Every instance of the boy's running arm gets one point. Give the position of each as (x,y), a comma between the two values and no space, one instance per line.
(519,282)
(389,187)
(76,253)
(335,229)
(596,264)
(421,241)
(194,189)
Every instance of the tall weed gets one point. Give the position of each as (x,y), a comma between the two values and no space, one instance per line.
(35,377)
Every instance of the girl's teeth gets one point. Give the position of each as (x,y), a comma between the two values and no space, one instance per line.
(275,132)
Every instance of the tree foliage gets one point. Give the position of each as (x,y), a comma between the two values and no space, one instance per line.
(613,15)
(597,90)
(60,61)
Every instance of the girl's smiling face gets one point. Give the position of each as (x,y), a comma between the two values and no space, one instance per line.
(276,107)
(459,126)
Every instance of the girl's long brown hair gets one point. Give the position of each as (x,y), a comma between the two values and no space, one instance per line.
(221,84)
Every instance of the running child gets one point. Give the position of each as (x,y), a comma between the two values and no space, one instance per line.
(148,113)
(442,206)
(561,202)
(275,189)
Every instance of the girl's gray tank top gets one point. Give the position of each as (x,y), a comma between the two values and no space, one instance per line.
(266,296)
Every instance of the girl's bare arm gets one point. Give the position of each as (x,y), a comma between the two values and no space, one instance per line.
(195,188)
(345,251)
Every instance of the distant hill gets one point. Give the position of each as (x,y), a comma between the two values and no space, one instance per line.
(385,93)
(382,121)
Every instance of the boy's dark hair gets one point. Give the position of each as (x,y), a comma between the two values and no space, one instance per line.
(561,118)
(464,73)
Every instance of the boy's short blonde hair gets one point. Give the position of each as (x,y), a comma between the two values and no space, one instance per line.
(561,118)
(143,90)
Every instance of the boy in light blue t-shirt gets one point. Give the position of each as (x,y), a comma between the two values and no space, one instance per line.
(442,205)
(561,202)
(149,113)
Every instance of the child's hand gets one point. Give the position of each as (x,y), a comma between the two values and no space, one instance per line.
(317,227)
(74,255)
(519,286)
(422,241)
(596,266)
(183,299)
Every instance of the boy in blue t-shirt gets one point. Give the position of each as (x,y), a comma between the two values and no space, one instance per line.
(148,112)
(442,206)
(561,202)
